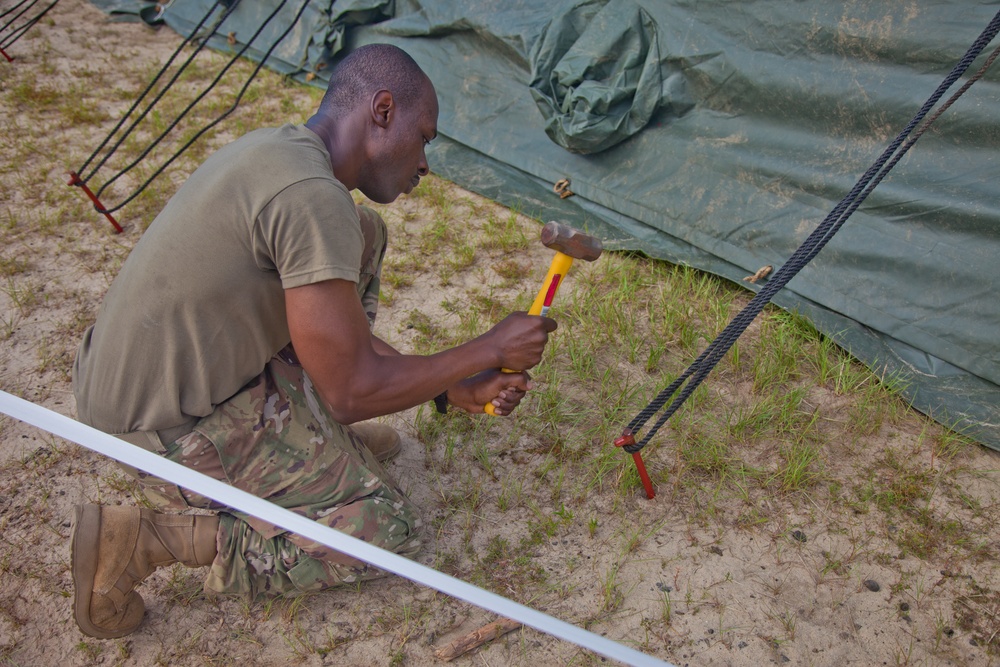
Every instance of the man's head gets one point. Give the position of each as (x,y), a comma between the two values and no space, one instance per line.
(379,112)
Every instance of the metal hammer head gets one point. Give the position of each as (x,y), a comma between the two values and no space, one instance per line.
(571,242)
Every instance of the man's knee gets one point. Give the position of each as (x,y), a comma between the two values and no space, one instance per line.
(373,228)
(392,524)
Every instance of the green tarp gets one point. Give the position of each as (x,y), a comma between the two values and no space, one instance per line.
(719,134)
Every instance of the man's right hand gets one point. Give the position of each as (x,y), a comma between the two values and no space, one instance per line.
(520,339)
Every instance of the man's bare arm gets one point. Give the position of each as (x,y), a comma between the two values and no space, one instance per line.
(503,390)
(360,378)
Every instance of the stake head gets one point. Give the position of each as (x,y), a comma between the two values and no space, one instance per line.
(626,438)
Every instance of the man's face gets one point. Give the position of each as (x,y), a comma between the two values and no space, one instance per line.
(398,161)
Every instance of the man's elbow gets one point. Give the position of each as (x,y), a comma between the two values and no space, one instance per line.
(348,409)
(348,398)
(346,414)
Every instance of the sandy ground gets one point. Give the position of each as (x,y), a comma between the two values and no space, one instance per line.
(816,584)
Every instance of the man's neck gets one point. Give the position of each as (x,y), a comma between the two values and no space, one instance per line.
(340,159)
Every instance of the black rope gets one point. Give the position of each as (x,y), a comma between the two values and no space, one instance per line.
(10,9)
(215,122)
(18,15)
(149,87)
(815,242)
(14,36)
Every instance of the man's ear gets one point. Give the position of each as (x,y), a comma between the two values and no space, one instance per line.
(383,108)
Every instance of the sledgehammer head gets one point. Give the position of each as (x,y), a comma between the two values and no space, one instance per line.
(570,242)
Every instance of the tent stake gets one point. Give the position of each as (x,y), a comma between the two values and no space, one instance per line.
(74,179)
(628,438)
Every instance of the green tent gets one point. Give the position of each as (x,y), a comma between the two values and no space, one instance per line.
(719,134)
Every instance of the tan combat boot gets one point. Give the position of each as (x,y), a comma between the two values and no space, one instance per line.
(381,440)
(116,547)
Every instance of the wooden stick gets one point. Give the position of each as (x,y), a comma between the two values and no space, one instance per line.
(476,638)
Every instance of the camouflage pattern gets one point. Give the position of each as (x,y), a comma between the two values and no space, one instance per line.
(276,440)
(376,238)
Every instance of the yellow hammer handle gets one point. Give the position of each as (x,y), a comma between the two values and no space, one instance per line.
(559,267)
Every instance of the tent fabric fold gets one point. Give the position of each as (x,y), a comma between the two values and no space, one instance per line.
(596,75)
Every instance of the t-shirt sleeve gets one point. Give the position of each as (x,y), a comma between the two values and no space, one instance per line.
(309,232)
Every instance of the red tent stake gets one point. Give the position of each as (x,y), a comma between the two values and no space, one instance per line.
(628,438)
(643,475)
(9,59)
(74,179)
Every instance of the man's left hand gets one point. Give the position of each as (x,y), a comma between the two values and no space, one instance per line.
(503,390)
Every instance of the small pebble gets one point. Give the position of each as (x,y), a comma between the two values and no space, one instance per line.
(799,536)
(903,606)
(872,585)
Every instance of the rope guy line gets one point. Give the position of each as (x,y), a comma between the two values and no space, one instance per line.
(76,180)
(81,182)
(149,87)
(11,9)
(16,33)
(689,380)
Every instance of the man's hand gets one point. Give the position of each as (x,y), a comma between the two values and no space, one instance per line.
(519,339)
(503,390)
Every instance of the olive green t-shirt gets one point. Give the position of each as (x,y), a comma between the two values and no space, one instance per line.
(198,308)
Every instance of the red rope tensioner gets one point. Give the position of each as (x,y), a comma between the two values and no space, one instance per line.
(74,179)
(627,438)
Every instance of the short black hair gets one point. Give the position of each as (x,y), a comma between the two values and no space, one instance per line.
(369,69)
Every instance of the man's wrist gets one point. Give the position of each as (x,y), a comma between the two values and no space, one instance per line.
(441,402)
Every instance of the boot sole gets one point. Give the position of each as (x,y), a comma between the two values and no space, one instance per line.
(84,549)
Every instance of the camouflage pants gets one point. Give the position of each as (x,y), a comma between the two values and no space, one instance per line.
(276,440)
